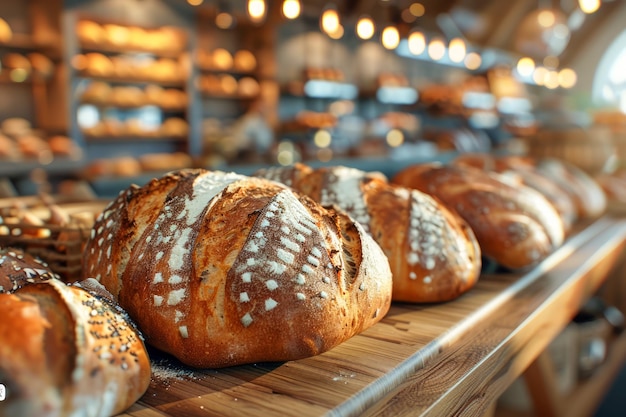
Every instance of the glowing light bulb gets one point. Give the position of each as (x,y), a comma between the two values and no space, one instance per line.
(456,50)
(473,61)
(394,138)
(525,67)
(546,18)
(589,6)
(291,9)
(539,75)
(417,43)
(390,37)
(436,49)
(567,78)
(417,9)
(256,10)
(195,2)
(330,21)
(365,28)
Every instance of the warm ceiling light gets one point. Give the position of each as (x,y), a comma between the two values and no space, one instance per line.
(337,34)
(322,138)
(589,6)
(539,75)
(195,2)
(525,66)
(551,61)
(291,9)
(390,37)
(457,50)
(394,138)
(436,49)
(256,10)
(365,28)
(417,9)
(473,61)
(546,18)
(551,80)
(567,78)
(417,43)
(224,20)
(330,21)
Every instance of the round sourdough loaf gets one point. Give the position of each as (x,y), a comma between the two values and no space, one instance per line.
(433,254)
(66,351)
(220,269)
(19,268)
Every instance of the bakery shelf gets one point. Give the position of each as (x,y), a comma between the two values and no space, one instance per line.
(21,42)
(133,80)
(167,109)
(134,138)
(453,358)
(25,167)
(87,47)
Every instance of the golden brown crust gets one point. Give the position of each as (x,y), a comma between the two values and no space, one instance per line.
(515,225)
(432,253)
(523,170)
(228,269)
(67,352)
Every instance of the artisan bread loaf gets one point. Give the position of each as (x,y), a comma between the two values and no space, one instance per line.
(524,171)
(68,352)
(515,225)
(18,268)
(432,252)
(589,197)
(220,269)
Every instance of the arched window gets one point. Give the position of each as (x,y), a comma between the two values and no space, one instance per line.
(609,84)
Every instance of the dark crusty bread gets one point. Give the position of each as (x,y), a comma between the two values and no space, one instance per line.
(65,352)
(432,252)
(515,225)
(220,269)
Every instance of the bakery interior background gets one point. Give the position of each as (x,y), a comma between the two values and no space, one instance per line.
(306,80)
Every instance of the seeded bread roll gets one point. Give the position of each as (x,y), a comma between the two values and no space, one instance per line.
(220,269)
(433,254)
(67,352)
(18,268)
(515,225)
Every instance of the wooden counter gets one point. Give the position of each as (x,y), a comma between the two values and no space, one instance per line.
(450,359)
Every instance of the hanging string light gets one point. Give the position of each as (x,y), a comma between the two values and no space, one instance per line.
(525,66)
(567,78)
(365,28)
(257,10)
(436,49)
(291,9)
(473,61)
(457,50)
(390,37)
(417,43)
(589,6)
(329,21)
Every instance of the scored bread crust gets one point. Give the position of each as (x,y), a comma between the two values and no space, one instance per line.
(432,252)
(65,351)
(220,269)
(515,225)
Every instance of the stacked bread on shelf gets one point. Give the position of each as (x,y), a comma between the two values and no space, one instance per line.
(20,66)
(104,94)
(172,127)
(129,166)
(19,141)
(162,39)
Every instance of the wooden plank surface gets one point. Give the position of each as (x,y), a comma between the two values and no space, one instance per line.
(444,359)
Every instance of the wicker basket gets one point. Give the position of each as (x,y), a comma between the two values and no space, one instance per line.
(61,247)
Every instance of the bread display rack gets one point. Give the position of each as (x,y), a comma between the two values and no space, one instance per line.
(430,360)
(122,72)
